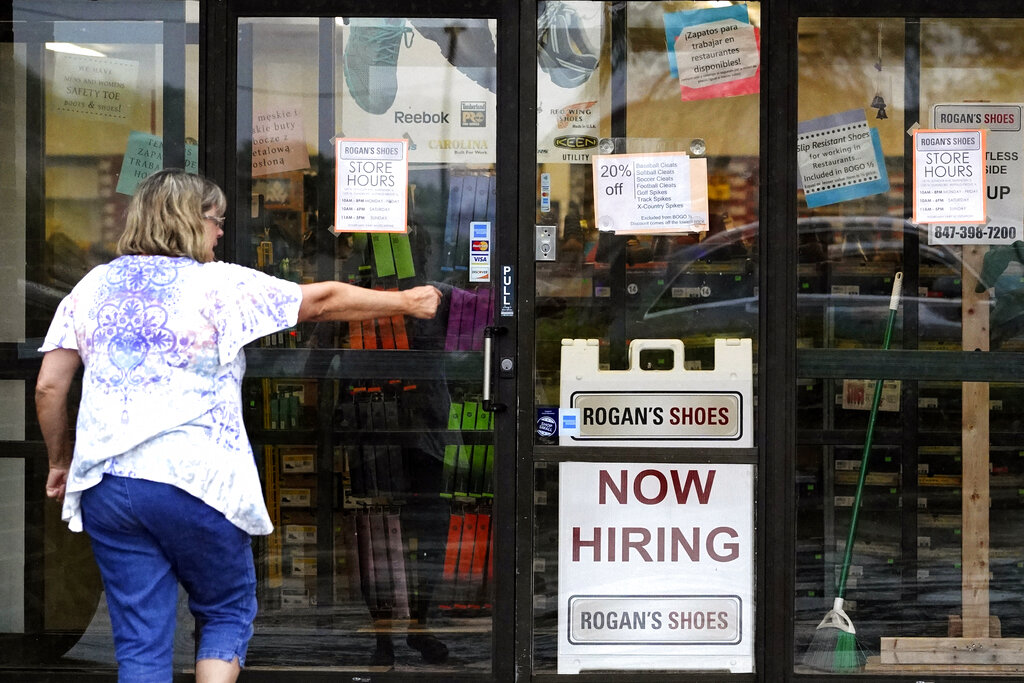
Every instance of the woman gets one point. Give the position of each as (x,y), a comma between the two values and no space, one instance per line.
(162,476)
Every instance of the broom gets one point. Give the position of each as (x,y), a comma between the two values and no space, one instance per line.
(834,646)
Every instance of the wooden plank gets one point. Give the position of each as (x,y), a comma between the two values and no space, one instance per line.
(971,651)
(975,305)
(975,449)
(955,626)
(975,502)
(875,665)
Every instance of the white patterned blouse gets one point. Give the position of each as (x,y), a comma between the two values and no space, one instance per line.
(161,341)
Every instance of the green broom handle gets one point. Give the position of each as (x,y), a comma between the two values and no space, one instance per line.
(894,304)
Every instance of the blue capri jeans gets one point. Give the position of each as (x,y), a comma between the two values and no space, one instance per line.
(146,538)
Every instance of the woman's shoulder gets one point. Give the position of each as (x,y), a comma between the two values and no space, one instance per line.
(223,276)
(229,272)
(96,274)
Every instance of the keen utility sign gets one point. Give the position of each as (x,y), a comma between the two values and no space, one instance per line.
(656,404)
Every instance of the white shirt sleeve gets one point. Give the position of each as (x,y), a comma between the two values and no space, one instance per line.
(61,333)
(249,305)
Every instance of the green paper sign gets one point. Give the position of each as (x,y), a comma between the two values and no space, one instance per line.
(144,156)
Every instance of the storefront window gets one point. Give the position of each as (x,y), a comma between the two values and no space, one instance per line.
(92,104)
(635,506)
(646,287)
(367,154)
(908,506)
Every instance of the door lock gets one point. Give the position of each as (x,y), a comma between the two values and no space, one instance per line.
(545,246)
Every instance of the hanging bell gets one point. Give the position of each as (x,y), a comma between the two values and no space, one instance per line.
(877,102)
(881,113)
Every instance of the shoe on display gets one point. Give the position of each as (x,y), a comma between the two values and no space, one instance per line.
(371,61)
(467,44)
(562,48)
(431,649)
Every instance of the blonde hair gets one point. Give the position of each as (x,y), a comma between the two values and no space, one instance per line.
(165,216)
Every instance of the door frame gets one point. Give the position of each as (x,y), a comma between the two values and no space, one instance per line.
(219,160)
(782,363)
(530,454)
(779,362)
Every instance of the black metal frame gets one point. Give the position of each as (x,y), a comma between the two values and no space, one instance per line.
(530,454)
(788,363)
(779,362)
(223,132)
(21,361)
(777,356)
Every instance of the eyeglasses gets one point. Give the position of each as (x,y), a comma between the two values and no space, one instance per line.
(219,220)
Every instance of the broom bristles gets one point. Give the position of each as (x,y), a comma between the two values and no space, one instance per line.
(849,656)
(835,651)
(834,647)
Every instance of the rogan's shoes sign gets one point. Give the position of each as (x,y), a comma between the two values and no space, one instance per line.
(645,405)
(655,567)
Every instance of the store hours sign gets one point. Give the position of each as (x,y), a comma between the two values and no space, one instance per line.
(949,177)
(371,182)
(655,567)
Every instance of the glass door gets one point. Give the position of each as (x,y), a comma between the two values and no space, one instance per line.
(96,96)
(366,153)
(646,325)
(908,462)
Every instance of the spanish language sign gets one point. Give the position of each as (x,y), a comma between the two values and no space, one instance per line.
(1004,173)
(95,87)
(839,158)
(650,193)
(655,567)
(949,176)
(713,52)
(144,155)
(278,141)
(371,185)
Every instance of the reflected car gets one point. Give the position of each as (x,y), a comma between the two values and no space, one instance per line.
(846,268)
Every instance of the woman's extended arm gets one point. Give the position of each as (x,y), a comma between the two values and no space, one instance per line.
(340,301)
(55,376)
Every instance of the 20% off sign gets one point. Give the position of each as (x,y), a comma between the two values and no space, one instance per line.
(649,193)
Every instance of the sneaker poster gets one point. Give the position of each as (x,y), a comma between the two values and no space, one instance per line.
(569,40)
(429,81)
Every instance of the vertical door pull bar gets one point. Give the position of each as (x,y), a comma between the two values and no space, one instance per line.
(489,333)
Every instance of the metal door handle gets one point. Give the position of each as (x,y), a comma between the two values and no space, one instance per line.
(486,403)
